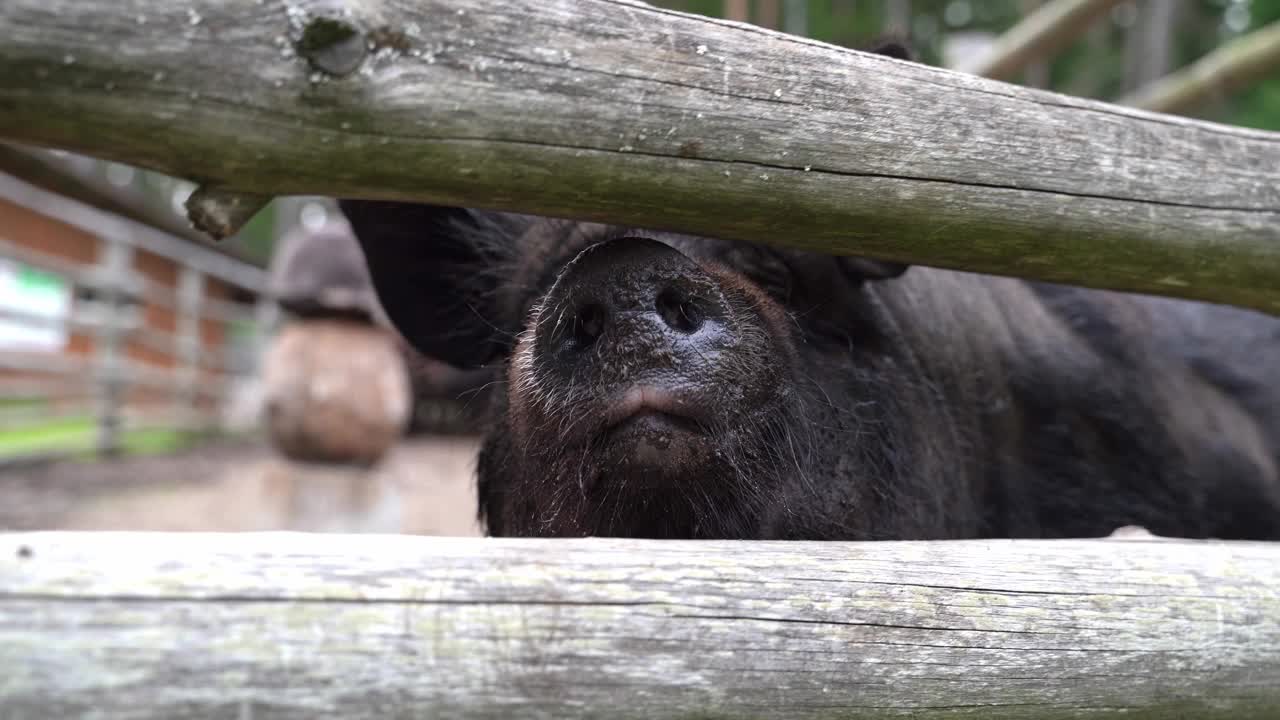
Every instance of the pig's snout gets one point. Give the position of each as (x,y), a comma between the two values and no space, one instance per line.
(632,305)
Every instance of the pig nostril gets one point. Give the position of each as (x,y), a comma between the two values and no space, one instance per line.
(679,312)
(588,323)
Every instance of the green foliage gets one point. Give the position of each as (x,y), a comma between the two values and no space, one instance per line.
(1093,66)
(1259,107)
(257,238)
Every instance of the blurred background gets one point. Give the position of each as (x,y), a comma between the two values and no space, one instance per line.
(151,380)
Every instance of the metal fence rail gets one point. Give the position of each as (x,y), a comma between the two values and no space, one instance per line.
(194,377)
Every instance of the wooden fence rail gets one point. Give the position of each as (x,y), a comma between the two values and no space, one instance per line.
(321,626)
(616,110)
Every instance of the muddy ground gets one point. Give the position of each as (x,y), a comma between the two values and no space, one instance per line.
(426,486)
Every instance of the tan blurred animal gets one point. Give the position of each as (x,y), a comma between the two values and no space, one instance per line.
(335,382)
(336,391)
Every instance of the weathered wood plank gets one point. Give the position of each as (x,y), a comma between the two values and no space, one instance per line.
(611,109)
(138,625)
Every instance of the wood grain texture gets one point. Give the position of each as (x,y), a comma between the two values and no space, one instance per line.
(146,625)
(614,110)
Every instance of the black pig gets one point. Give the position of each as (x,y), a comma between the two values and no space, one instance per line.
(658,385)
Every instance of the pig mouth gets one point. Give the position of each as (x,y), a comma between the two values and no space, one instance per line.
(653,428)
(648,405)
(654,422)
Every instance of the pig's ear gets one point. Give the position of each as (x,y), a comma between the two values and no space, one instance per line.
(892,47)
(436,271)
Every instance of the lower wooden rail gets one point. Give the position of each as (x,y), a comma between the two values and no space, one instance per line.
(236,626)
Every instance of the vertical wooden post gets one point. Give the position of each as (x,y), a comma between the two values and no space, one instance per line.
(1149,43)
(897,18)
(266,316)
(267,312)
(768,14)
(189,346)
(114,282)
(736,10)
(795,17)
(1036,74)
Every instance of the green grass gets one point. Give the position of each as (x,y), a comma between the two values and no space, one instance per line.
(77,435)
(15,403)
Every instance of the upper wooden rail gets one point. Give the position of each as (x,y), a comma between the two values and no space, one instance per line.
(616,110)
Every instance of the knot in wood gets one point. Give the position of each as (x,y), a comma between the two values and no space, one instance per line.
(221,213)
(332,45)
